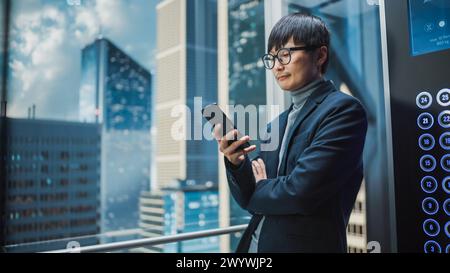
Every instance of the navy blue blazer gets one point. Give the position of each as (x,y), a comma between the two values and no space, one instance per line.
(306,205)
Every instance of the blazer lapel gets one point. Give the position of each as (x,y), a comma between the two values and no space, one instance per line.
(272,157)
(315,99)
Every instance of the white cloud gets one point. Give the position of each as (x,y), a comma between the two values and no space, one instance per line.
(102,15)
(17,66)
(46,43)
(23,74)
(50,43)
(86,25)
(38,44)
(112,14)
(38,58)
(30,40)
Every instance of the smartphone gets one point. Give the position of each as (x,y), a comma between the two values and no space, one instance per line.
(214,115)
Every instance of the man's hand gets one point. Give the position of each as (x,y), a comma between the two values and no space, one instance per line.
(231,152)
(259,170)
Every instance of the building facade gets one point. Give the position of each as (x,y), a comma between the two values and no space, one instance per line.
(183,207)
(187,80)
(52,184)
(115,92)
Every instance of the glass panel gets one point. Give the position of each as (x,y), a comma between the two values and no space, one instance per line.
(355,68)
(79,121)
(93,93)
(2,37)
(247,76)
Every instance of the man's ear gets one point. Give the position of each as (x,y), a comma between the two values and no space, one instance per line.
(322,55)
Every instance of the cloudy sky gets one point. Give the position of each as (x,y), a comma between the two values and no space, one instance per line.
(45,48)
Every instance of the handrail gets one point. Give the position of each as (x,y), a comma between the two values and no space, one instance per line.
(152,241)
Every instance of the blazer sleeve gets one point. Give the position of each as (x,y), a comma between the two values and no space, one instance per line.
(241,181)
(321,170)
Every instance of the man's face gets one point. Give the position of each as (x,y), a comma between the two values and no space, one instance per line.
(302,69)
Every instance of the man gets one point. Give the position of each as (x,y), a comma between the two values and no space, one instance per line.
(301,195)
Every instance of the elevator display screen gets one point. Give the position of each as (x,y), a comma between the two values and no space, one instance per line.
(429,23)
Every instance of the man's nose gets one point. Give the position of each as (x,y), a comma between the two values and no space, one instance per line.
(278,66)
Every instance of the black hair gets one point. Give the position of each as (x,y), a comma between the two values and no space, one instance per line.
(303,28)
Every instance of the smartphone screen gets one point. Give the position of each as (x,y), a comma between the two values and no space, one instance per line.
(214,115)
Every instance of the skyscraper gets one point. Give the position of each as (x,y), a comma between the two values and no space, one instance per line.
(186,68)
(151,220)
(246,43)
(357,224)
(183,207)
(190,207)
(116,92)
(52,184)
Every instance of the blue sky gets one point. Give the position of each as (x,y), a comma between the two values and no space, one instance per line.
(45,48)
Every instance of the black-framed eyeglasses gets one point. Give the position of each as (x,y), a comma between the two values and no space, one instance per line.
(283,55)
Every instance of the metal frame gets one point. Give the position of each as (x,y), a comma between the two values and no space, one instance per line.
(273,11)
(4,50)
(390,155)
(152,241)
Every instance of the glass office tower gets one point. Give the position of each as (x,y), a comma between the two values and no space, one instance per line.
(191,207)
(53,184)
(116,92)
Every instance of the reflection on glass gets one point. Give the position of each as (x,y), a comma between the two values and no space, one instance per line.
(247,80)
(78,178)
(355,68)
